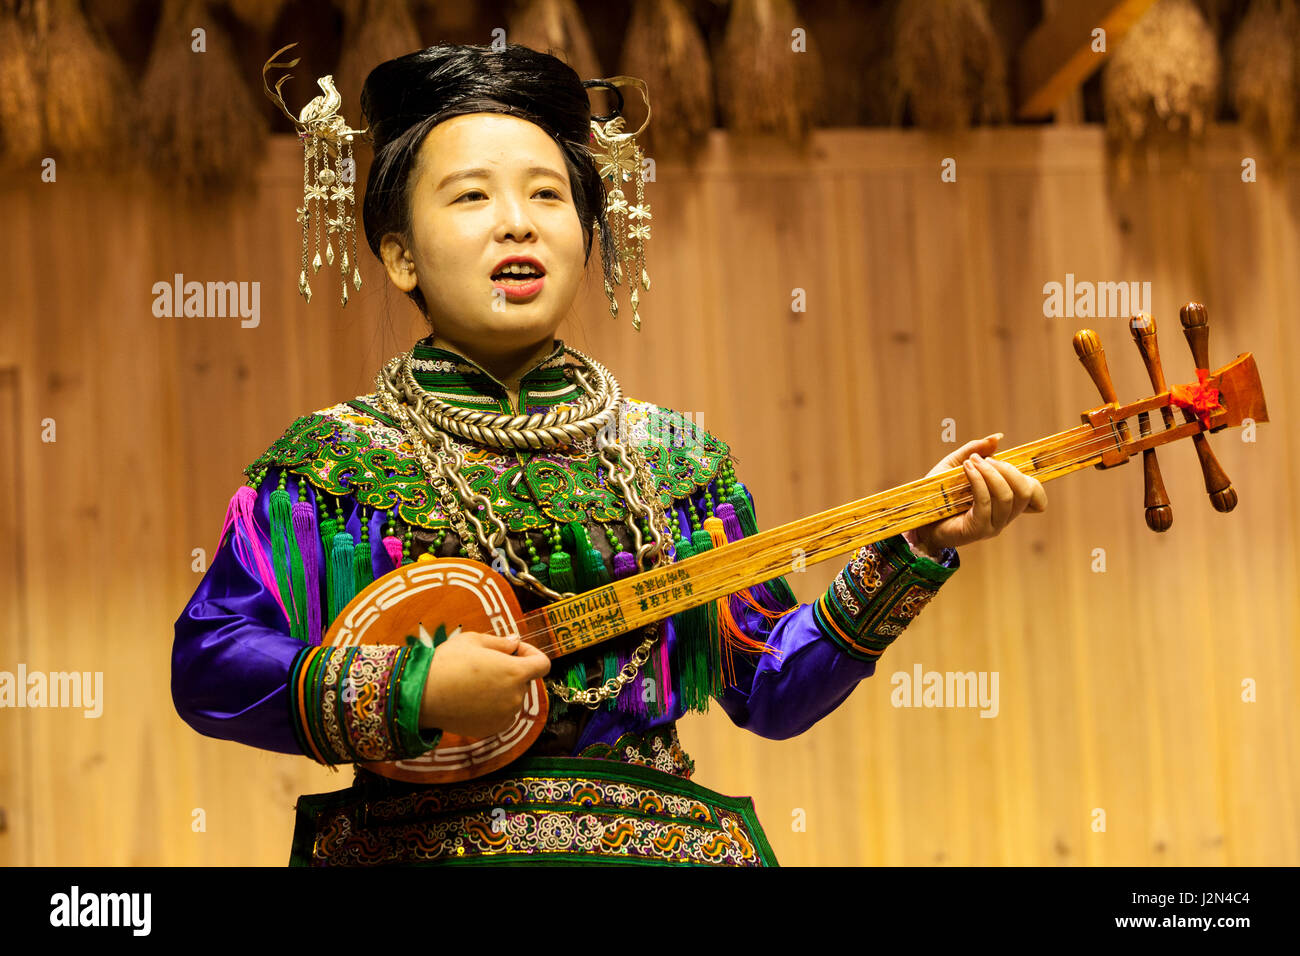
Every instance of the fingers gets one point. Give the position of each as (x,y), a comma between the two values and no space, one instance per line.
(507,644)
(1029,493)
(1002,498)
(983,507)
(535,663)
(984,446)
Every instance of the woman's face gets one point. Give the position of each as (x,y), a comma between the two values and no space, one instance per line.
(487,187)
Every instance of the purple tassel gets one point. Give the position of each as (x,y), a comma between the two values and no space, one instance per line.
(625,701)
(624,564)
(239,513)
(304,530)
(730,523)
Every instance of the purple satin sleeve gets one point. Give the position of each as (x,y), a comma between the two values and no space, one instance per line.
(782,697)
(233,651)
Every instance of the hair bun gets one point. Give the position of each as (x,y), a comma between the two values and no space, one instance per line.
(536,86)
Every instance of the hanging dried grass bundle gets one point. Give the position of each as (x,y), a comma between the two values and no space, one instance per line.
(949,65)
(87,92)
(109,13)
(664,47)
(555,27)
(1262,66)
(260,15)
(374,31)
(1162,80)
(201,126)
(21,130)
(764,84)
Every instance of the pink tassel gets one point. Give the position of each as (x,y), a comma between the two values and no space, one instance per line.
(664,692)
(248,549)
(394,548)
(304,530)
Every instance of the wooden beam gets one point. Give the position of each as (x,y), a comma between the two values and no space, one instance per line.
(1058,56)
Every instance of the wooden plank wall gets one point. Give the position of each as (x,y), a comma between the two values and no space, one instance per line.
(1120,692)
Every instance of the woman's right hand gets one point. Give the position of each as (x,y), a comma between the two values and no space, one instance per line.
(476,683)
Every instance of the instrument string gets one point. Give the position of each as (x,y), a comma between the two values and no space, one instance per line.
(1086,448)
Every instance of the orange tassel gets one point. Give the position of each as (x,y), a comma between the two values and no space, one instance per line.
(733,638)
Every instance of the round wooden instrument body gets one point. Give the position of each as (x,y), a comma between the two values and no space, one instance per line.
(415,599)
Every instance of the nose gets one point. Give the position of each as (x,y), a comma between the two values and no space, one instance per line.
(515,222)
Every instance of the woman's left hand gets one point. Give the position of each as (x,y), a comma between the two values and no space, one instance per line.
(1002,493)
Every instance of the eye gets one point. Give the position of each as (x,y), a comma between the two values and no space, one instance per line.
(472,192)
(555,193)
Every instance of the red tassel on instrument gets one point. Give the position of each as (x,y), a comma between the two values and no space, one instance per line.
(1202,398)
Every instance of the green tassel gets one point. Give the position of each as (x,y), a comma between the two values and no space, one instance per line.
(341,573)
(691,661)
(286,556)
(561,571)
(542,574)
(576,678)
(594,568)
(328,528)
(609,671)
(363,568)
(588,566)
(744,513)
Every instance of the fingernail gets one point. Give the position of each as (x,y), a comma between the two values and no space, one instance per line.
(976,457)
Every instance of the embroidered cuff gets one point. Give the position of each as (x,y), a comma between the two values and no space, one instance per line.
(360,704)
(877,594)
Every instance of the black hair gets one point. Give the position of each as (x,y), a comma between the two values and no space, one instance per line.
(403,99)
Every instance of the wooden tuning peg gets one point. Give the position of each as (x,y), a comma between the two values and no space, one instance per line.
(1159,515)
(1087,345)
(1196,328)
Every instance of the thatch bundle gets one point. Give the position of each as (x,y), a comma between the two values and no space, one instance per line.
(88,96)
(258,14)
(765,86)
(1162,80)
(948,65)
(21,121)
(1262,70)
(556,27)
(374,31)
(664,47)
(200,124)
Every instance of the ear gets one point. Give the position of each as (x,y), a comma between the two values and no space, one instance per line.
(398,261)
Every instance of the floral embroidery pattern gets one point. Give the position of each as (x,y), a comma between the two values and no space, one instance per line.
(351,449)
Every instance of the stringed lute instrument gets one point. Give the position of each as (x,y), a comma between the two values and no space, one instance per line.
(461,593)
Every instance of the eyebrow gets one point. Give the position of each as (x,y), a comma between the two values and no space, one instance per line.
(472,173)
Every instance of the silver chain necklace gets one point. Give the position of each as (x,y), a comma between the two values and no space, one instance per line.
(429,422)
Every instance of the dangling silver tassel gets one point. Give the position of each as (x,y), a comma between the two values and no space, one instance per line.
(620,160)
(325,135)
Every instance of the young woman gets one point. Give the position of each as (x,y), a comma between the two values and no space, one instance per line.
(484,203)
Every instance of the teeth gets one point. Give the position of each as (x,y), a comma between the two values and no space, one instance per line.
(519,269)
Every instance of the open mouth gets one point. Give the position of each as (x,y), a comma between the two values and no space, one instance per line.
(517,275)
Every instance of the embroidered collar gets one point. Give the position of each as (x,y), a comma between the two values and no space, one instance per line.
(460,381)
